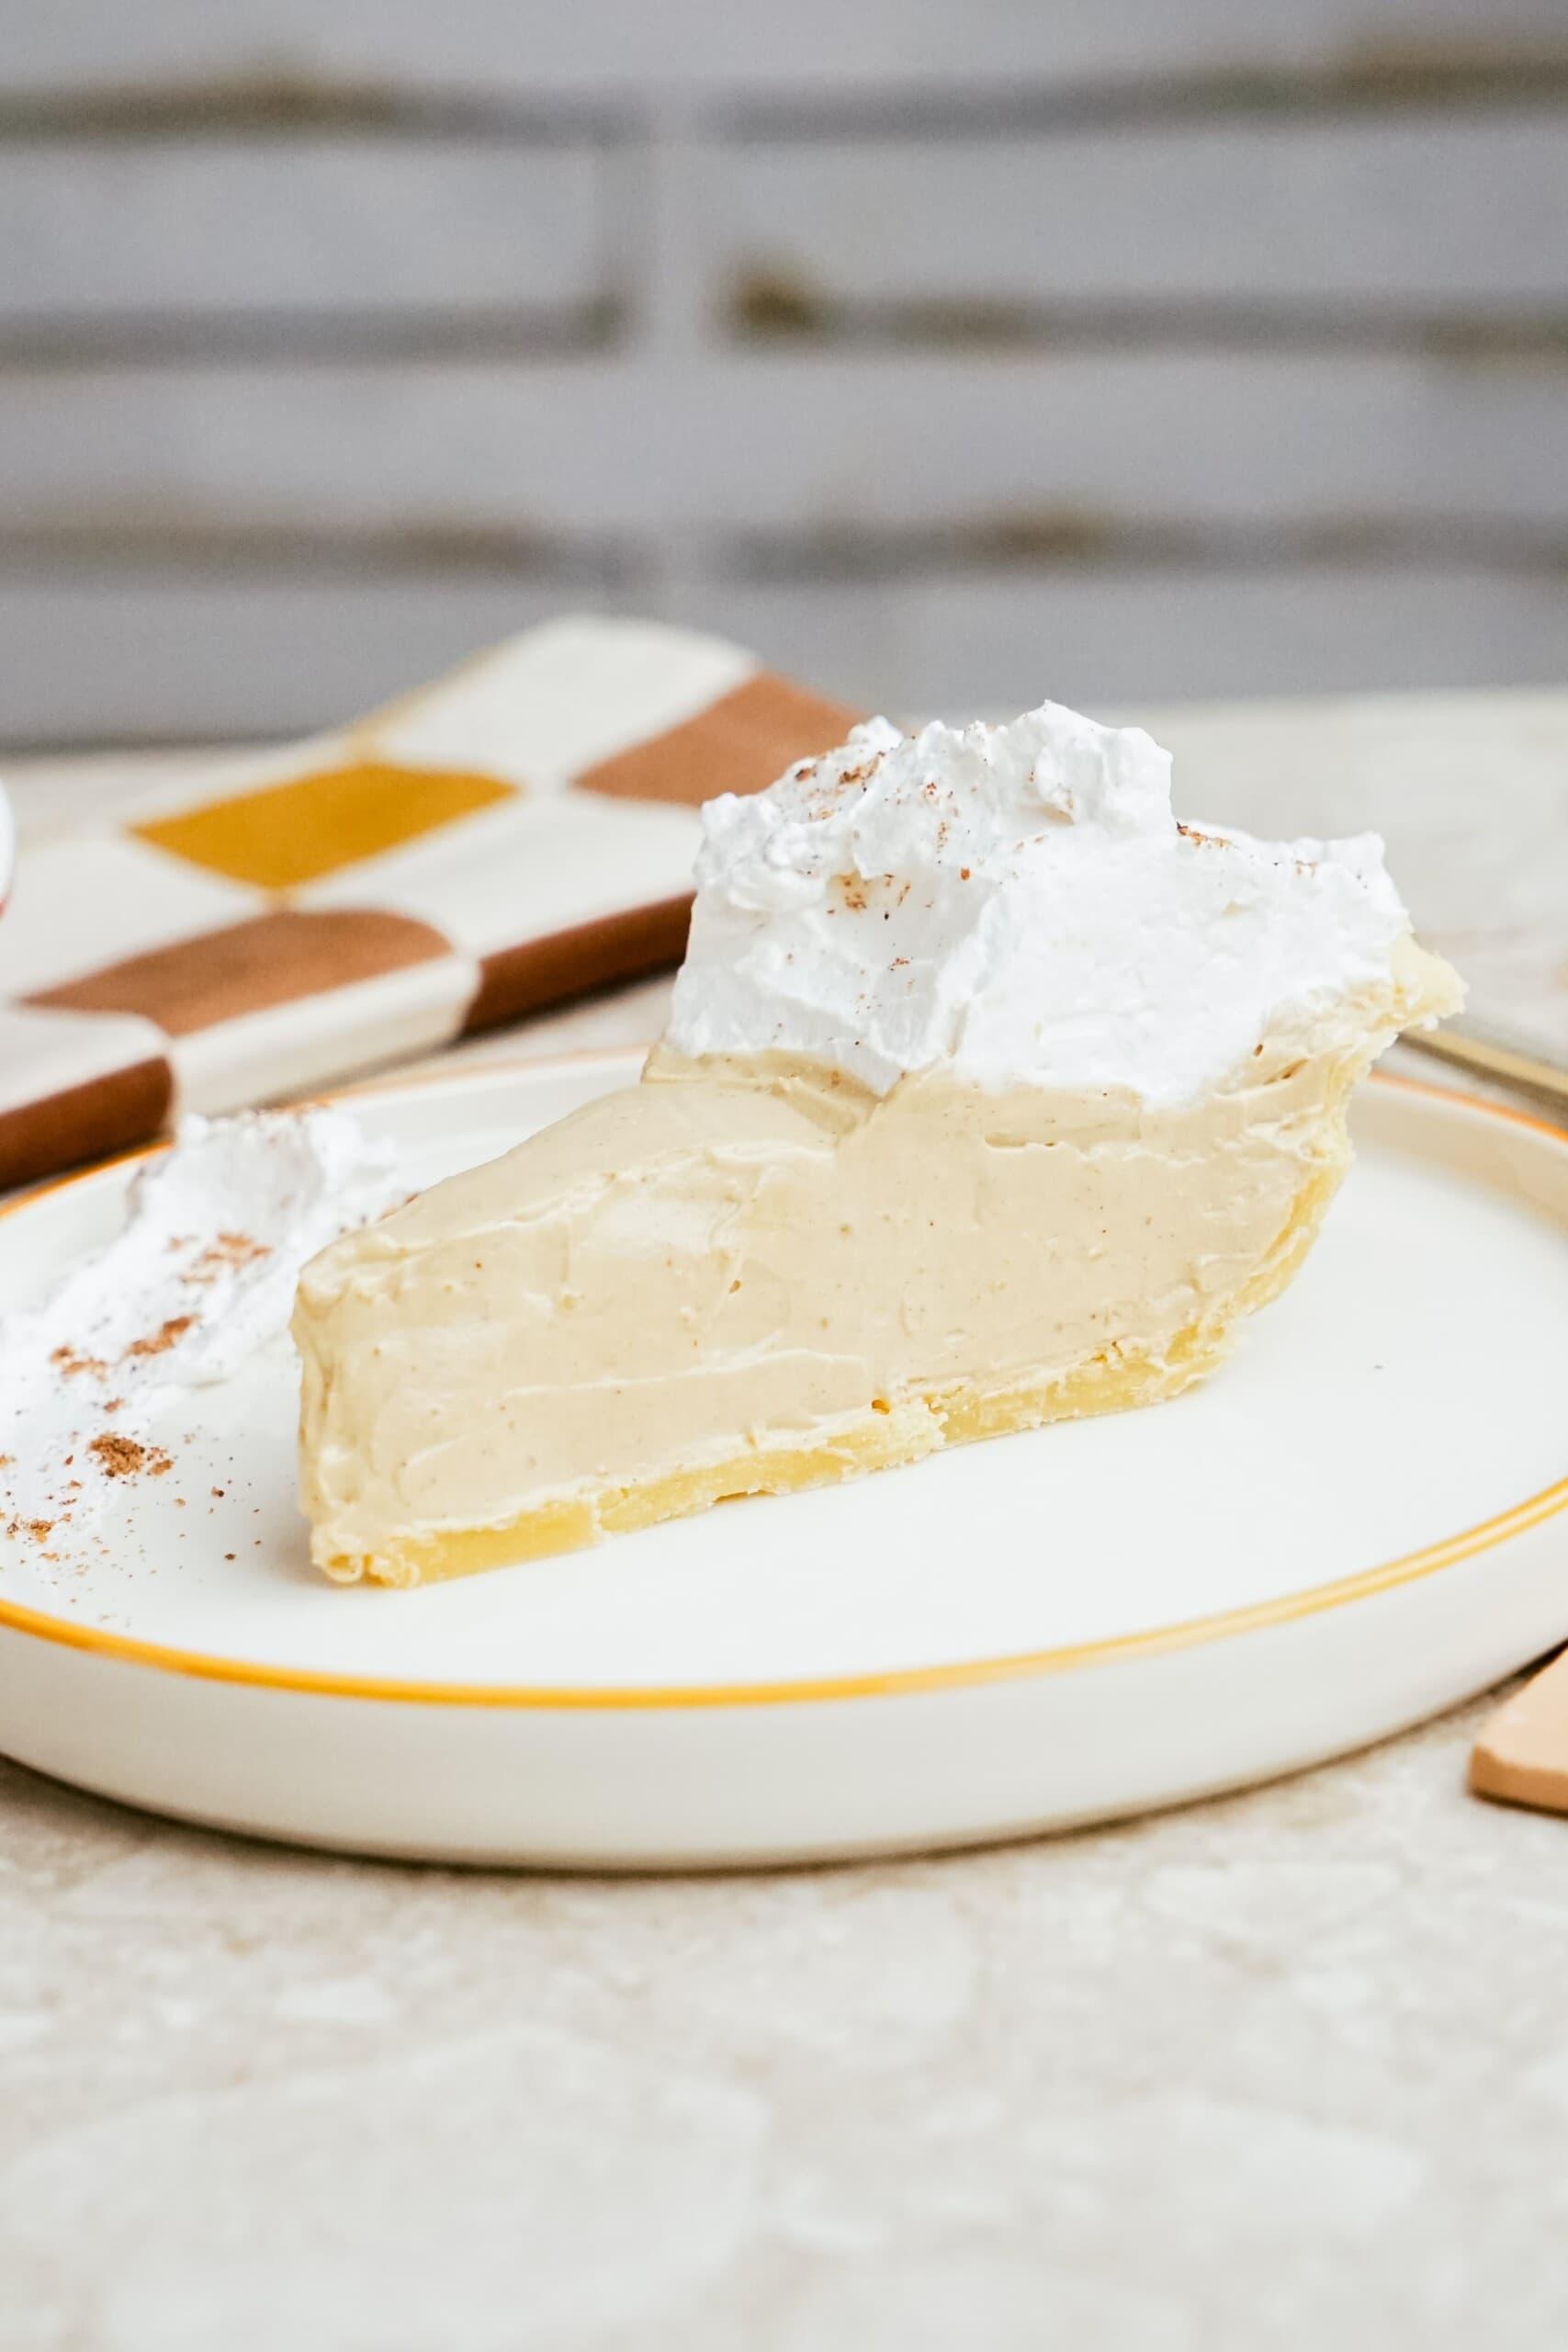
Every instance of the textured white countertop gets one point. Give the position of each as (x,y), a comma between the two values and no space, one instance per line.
(1279,2072)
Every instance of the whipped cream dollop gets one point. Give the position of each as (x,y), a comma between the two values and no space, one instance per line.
(200,1275)
(1019,903)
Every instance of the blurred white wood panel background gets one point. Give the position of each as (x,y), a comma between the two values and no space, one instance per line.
(231,655)
(136,229)
(1421,215)
(712,45)
(787,442)
(951,354)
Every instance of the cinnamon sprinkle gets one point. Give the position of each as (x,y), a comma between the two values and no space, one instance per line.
(164,1337)
(229,1250)
(117,1456)
(1205,841)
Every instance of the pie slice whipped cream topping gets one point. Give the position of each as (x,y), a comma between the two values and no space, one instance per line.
(1020,906)
(990,1095)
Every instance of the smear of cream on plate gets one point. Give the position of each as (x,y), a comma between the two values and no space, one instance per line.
(201,1276)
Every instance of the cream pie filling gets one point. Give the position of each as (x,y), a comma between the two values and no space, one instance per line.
(733,1279)
(913,1207)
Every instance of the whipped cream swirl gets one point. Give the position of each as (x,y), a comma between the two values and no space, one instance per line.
(1019,903)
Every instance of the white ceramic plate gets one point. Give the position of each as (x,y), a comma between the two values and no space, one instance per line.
(1362,1519)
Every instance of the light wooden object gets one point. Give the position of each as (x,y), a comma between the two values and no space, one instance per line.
(1521,1757)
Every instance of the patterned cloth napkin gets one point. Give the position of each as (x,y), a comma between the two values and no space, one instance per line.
(518,831)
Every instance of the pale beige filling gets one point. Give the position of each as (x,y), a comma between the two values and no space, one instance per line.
(746,1276)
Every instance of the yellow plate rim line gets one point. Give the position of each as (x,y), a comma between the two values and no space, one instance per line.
(893,1682)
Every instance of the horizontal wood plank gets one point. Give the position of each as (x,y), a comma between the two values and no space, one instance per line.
(714,46)
(797,441)
(157,655)
(1409,215)
(965,642)
(208,229)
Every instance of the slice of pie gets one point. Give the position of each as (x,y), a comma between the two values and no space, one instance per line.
(990,1095)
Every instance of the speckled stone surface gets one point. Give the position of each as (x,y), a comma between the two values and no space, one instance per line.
(1282,2072)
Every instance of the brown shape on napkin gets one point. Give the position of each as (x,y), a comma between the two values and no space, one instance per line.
(589,955)
(733,746)
(1521,1757)
(246,967)
(88,1122)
